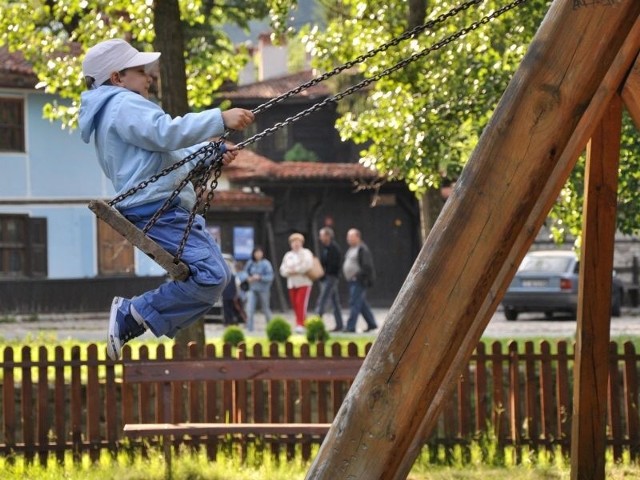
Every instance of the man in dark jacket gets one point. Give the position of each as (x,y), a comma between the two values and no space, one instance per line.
(331,260)
(360,272)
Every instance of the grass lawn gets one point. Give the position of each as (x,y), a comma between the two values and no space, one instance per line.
(187,466)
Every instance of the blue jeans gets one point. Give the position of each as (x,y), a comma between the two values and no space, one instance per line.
(358,305)
(175,305)
(253,297)
(329,292)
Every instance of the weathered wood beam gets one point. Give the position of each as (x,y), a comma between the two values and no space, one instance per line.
(631,93)
(586,126)
(102,210)
(591,368)
(437,307)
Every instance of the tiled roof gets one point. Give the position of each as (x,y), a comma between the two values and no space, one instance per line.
(15,71)
(274,87)
(247,164)
(250,167)
(237,199)
(14,62)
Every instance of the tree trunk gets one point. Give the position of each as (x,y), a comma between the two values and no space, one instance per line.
(170,42)
(417,12)
(173,95)
(431,203)
(428,214)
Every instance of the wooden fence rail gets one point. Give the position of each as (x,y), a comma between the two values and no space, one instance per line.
(520,397)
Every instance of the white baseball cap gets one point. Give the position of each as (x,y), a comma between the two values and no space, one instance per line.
(111,56)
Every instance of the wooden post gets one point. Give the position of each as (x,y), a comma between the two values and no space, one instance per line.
(631,93)
(548,195)
(434,319)
(594,299)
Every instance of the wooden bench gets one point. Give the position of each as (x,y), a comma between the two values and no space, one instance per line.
(168,374)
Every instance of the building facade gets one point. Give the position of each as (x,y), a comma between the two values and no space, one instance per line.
(55,256)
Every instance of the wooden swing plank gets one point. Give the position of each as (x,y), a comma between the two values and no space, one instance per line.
(434,321)
(111,216)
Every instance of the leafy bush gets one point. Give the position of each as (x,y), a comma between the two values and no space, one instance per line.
(316,331)
(298,153)
(278,330)
(233,336)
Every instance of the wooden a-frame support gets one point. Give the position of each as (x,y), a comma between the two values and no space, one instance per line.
(565,93)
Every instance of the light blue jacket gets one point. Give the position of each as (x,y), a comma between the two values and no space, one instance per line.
(262,268)
(135,139)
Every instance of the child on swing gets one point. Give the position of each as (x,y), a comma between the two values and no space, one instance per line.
(134,140)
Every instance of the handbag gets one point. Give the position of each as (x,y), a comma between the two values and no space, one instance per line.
(316,271)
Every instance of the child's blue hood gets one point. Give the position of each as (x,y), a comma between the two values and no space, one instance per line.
(92,102)
(135,140)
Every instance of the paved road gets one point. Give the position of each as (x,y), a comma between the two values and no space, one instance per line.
(535,325)
(93,327)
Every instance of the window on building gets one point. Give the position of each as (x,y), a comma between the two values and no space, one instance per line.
(23,246)
(281,140)
(250,131)
(11,124)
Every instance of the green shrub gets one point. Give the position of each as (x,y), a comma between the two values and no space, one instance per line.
(316,331)
(278,330)
(298,153)
(233,336)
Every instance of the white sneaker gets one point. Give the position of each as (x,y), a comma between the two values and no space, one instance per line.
(122,328)
(299,329)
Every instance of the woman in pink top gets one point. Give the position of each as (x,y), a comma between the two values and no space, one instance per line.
(295,263)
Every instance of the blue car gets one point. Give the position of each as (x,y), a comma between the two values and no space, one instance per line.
(547,282)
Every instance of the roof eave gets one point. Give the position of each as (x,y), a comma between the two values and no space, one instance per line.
(17,80)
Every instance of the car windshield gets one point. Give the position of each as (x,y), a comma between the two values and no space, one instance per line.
(545,264)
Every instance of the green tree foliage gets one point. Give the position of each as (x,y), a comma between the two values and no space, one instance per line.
(422,122)
(53,35)
(298,153)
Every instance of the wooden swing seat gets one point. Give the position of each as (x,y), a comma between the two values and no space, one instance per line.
(111,216)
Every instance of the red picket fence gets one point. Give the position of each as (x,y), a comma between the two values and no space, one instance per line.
(520,398)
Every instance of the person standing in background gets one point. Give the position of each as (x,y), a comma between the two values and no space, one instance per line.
(229,297)
(295,263)
(331,260)
(360,272)
(258,273)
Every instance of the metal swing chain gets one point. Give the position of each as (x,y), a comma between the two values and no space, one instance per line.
(192,173)
(209,149)
(205,152)
(210,175)
(213,148)
(216,165)
(213,170)
(401,64)
(370,54)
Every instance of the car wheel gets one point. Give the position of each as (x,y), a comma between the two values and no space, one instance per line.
(510,314)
